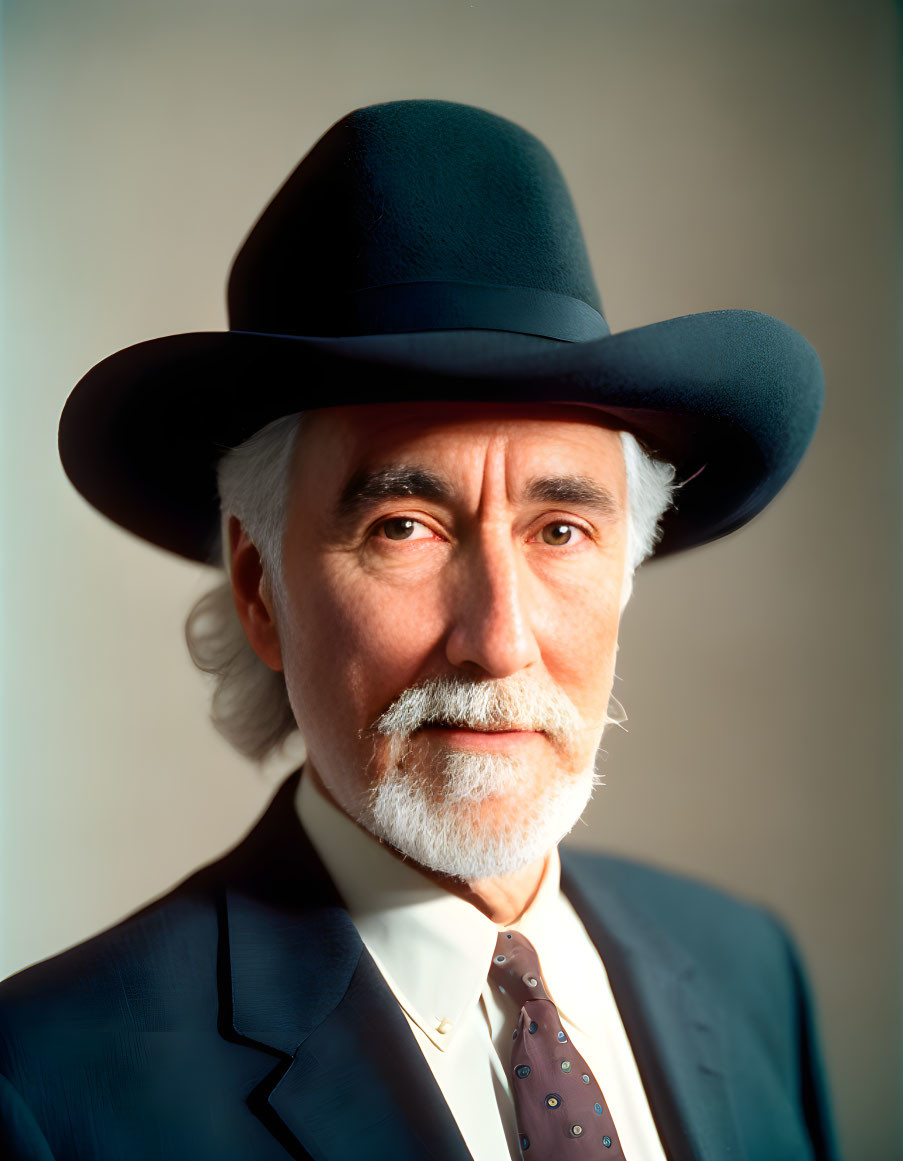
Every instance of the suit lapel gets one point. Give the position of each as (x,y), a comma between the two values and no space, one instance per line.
(671,1019)
(297,980)
(360,1087)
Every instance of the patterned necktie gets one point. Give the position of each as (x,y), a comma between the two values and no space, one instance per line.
(561,1112)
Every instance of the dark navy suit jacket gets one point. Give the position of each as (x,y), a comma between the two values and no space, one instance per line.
(240,1017)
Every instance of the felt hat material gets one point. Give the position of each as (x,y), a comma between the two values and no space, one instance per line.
(425,250)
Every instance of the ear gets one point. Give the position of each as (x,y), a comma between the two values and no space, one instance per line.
(253,601)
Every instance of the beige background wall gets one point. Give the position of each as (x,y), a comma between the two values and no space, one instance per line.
(721,154)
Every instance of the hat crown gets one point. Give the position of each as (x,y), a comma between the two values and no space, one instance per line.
(408,193)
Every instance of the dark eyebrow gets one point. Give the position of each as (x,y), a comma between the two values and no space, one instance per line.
(578,490)
(369,486)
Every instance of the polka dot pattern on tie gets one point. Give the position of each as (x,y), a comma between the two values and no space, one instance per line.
(561,1112)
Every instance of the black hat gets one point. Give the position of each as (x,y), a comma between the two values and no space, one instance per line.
(425,250)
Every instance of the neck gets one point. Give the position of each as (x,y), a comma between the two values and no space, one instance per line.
(504,898)
(501,898)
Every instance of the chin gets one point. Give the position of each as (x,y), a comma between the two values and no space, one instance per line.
(480,817)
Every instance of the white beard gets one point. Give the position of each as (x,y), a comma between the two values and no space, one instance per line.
(436,817)
(445,833)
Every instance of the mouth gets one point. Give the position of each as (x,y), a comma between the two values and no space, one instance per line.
(468,738)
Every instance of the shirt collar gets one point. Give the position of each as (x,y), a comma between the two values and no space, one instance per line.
(433,947)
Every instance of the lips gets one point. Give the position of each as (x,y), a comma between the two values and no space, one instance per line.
(483,738)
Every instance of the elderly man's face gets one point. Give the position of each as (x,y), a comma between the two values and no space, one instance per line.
(477,543)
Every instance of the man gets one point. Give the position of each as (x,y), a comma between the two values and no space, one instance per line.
(430,471)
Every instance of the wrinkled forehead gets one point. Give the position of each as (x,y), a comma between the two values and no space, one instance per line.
(337,443)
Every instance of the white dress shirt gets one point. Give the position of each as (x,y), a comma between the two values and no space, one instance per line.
(434,950)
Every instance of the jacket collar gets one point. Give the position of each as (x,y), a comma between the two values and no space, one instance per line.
(297,979)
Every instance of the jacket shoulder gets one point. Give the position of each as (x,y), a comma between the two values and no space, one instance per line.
(736,954)
(106,980)
(728,937)
(164,936)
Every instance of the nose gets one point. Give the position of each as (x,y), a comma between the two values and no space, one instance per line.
(491,634)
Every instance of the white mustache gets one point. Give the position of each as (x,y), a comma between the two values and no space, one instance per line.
(508,703)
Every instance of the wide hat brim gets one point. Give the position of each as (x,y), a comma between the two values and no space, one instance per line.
(730,397)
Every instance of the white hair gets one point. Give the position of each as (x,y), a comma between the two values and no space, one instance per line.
(650,493)
(250,706)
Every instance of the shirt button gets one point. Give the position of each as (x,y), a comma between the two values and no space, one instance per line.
(445,1027)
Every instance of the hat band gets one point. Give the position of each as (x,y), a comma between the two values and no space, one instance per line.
(408,307)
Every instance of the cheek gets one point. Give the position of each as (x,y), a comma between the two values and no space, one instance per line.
(353,645)
(581,636)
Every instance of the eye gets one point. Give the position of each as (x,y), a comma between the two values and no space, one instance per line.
(403,528)
(559,534)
